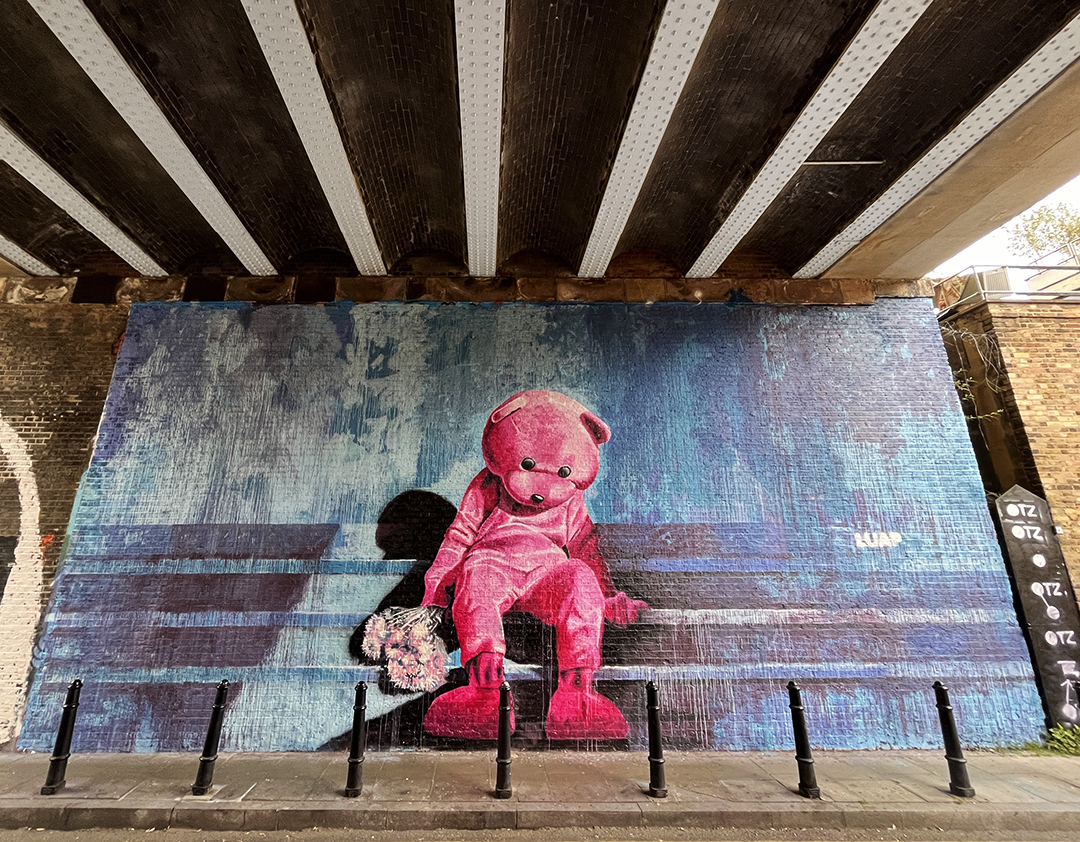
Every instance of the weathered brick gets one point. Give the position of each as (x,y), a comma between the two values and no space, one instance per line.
(150,289)
(1029,420)
(642,264)
(39,290)
(537,289)
(273,290)
(904,288)
(400,126)
(56,361)
(590,290)
(698,289)
(65,118)
(480,289)
(370,289)
(645,289)
(571,69)
(55,365)
(721,134)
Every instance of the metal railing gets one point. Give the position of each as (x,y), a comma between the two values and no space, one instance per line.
(979,283)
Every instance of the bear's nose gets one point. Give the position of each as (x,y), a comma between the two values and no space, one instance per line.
(538,499)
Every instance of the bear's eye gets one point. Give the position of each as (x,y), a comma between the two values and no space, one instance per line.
(527,464)
(564,471)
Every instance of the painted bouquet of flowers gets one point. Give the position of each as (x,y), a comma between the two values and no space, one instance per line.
(404,639)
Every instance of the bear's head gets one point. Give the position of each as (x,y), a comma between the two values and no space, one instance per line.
(544,447)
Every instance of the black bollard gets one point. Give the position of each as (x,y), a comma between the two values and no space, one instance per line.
(355,781)
(54,780)
(959,782)
(502,757)
(657,780)
(808,787)
(205,775)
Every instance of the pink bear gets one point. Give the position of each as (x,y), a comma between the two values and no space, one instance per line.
(523,541)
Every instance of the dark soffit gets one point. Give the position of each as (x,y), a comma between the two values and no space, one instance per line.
(202,63)
(572,70)
(758,67)
(49,101)
(956,54)
(391,73)
(28,217)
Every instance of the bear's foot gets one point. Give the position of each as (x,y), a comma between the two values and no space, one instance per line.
(471,712)
(578,712)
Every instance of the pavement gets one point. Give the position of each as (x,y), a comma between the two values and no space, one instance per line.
(424,790)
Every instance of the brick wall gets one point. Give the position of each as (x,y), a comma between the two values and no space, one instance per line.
(56,360)
(791,489)
(55,364)
(762,286)
(1040,349)
(986,393)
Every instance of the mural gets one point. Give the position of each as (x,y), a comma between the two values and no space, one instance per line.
(579,498)
(20,583)
(523,541)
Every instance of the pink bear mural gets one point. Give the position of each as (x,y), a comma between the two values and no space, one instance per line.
(523,540)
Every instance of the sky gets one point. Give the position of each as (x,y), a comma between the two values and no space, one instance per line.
(993,248)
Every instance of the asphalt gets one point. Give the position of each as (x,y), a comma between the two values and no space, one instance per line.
(426,790)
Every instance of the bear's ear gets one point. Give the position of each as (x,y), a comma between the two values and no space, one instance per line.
(597,428)
(511,406)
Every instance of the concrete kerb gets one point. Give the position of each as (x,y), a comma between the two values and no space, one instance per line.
(86,815)
(424,816)
(204,816)
(26,814)
(537,816)
(872,791)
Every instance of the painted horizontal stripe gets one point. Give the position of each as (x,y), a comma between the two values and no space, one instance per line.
(204,619)
(858,563)
(238,591)
(180,648)
(208,540)
(259,540)
(841,617)
(981,671)
(772,671)
(865,565)
(655,543)
(81,564)
(767,617)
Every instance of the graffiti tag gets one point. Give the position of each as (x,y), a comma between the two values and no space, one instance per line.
(877,540)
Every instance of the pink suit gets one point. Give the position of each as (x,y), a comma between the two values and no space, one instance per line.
(523,541)
(502,556)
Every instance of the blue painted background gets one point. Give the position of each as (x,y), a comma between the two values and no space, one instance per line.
(225,527)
